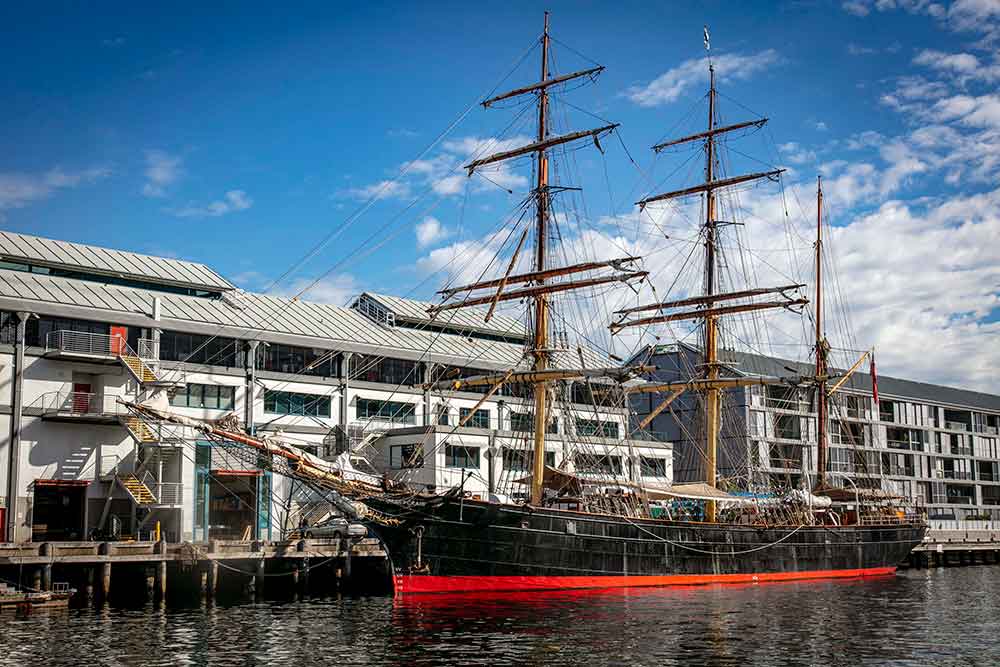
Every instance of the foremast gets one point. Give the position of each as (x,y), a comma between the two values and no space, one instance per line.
(539,280)
(541,333)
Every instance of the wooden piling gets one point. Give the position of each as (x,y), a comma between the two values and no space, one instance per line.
(105,580)
(161,580)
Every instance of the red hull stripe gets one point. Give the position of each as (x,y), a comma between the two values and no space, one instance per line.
(416,584)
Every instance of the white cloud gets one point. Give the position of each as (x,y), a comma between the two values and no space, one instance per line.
(430,232)
(336,289)
(162,170)
(864,7)
(386,189)
(17,189)
(821,126)
(858,50)
(234,200)
(796,154)
(673,83)
(444,175)
(856,7)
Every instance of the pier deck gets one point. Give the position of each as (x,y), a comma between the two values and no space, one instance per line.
(45,553)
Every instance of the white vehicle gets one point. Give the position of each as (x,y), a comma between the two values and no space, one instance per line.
(336,528)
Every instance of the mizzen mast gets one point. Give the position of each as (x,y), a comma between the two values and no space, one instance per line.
(822,348)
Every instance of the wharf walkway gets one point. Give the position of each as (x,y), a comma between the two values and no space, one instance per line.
(957,546)
(92,563)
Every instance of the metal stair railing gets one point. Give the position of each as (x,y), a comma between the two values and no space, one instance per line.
(134,363)
(138,488)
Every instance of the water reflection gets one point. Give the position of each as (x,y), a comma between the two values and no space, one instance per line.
(918,618)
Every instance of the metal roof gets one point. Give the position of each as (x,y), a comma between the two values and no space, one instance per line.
(256,316)
(105,261)
(461,319)
(757,364)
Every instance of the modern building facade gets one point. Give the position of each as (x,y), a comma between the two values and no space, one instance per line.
(84,328)
(933,444)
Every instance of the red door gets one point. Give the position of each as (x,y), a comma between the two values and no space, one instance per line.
(119,335)
(81,397)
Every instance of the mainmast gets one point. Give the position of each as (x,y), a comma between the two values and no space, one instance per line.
(710,343)
(707,311)
(821,348)
(540,341)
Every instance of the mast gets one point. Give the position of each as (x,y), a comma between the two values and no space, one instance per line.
(707,311)
(542,280)
(540,341)
(710,343)
(821,362)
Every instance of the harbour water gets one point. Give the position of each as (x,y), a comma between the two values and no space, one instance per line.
(942,616)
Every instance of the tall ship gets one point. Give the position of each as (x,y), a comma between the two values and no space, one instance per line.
(575,518)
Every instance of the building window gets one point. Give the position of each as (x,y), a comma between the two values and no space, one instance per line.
(206,396)
(300,360)
(600,464)
(596,393)
(288,403)
(521,459)
(524,422)
(652,467)
(481,418)
(198,349)
(458,456)
(788,457)
(787,427)
(442,414)
(368,368)
(596,427)
(886,412)
(393,411)
(406,456)
(37,330)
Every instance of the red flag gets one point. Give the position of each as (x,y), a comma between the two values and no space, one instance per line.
(874,375)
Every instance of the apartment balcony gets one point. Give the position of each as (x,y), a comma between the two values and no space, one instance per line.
(956,426)
(95,348)
(956,474)
(80,407)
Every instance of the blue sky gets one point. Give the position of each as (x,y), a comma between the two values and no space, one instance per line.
(242,134)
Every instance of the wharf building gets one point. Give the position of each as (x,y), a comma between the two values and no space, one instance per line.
(934,445)
(83,328)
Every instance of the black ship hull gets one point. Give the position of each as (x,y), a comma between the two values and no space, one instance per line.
(467,546)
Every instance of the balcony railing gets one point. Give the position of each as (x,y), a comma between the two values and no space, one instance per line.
(79,403)
(957,474)
(103,345)
(956,426)
(169,493)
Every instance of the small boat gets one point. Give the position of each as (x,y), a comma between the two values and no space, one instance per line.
(26,599)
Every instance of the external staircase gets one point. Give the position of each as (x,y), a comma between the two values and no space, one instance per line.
(139,430)
(136,366)
(137,489)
